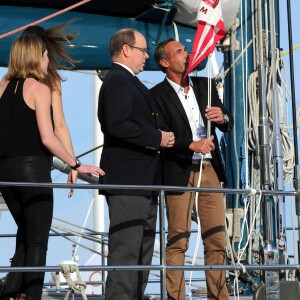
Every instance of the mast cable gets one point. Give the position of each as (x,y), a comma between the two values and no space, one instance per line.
(84,224)
(236,281)
(296,168)
(44,19)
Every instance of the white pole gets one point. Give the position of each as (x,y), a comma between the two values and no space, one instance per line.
(99,200)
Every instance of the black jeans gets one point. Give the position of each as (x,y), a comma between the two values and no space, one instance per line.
(32,210)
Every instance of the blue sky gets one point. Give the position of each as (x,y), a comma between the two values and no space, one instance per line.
(80,114)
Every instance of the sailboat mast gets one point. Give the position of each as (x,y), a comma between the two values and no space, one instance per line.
(277,141)
(264,155)
(262,15)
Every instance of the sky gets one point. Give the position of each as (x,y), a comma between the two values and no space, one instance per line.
(80,113)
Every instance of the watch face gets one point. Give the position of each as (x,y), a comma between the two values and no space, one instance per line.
(77,165)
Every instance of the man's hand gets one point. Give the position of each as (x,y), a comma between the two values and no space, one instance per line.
(167,139)
(214,114)
(203,146)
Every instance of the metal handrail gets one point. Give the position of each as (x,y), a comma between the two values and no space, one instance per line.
(157,268)
(165,188)
(162,267)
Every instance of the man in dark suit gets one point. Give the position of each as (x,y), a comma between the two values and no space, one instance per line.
(182,106)
(130,156)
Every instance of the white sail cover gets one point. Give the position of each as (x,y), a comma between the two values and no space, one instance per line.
(187,11)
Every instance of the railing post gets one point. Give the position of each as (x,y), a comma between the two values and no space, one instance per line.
(162,244)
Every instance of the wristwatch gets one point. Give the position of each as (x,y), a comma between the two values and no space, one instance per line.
(226,119)
(77,165)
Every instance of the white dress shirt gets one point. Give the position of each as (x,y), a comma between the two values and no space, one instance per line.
(193,114)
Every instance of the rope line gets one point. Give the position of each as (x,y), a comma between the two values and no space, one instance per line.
(288,51)
(77,285)
(44,19)
(73,241)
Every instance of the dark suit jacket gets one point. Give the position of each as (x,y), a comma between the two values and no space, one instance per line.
(172,117)
(130,152)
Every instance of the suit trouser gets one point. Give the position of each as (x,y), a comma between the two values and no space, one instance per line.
(211,210)
(131,242)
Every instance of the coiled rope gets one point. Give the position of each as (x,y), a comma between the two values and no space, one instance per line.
(73,286)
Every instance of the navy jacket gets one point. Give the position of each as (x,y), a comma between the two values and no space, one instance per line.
(132,138)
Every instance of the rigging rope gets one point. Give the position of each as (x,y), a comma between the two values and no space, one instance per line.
(84,224)
(251,143)
(244,149)
(198,227)
(287,147)
(94,236)
(208,134)
(73,241)
(287,52)
(44,19)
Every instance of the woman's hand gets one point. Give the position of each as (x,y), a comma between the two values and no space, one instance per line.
(86,169)
(72,178)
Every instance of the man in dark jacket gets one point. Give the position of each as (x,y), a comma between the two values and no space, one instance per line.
(130,156)
(182,107)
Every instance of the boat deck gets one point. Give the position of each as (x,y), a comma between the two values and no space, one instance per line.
(59,296)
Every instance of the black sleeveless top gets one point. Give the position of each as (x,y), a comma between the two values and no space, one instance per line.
(19,133)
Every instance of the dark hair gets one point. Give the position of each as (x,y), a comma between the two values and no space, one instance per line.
(58,58)
(120,38)
(160,53)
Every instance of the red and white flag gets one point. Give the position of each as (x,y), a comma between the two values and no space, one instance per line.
(210,30)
